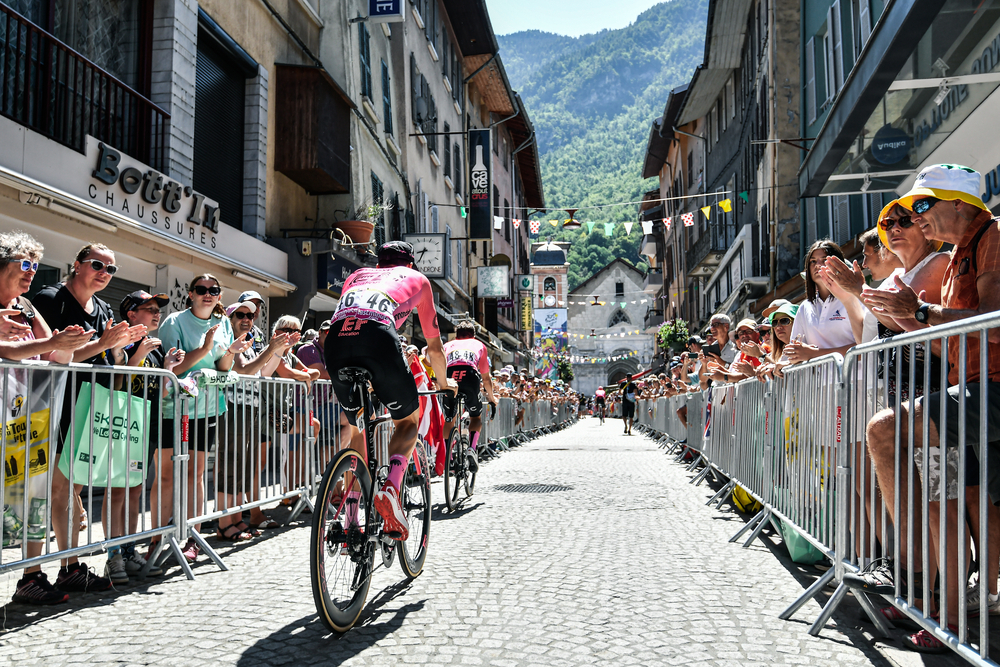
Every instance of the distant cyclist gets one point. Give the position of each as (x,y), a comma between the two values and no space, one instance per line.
(599,401)
(468,365)
(374,303)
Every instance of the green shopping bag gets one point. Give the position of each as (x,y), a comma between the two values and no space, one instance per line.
(799,548)
(113,426)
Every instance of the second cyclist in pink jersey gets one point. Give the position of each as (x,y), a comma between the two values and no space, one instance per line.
(374,303)
(469,366)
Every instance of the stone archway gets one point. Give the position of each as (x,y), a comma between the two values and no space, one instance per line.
(617,370)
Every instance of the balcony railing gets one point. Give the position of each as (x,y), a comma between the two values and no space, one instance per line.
(52,89)
(715,241)
(653,318)
(653,279)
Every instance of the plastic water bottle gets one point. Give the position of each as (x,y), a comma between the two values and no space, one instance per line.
(37,529)
(11,527)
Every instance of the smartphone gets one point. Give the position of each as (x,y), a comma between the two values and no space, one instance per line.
(712,349)
(692,355)
(248,336)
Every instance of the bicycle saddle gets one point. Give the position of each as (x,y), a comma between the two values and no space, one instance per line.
(354,374)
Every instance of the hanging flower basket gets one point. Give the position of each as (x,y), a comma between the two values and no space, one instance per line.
(359,231)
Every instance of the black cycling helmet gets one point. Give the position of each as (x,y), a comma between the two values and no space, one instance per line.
(395,253)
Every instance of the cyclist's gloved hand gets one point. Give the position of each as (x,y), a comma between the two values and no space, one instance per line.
(493,411)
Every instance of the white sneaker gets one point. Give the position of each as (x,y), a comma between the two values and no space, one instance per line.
(387,505)
(135,563)
(115,569)
(972,600)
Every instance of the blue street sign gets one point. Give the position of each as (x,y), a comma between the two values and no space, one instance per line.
(385,11)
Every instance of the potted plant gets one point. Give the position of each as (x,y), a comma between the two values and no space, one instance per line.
(672,335)
(359,229)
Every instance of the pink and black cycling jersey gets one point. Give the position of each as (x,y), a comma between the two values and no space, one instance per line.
(467,352)
(388,296)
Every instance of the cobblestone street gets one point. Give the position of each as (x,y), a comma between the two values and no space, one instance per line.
(613,560)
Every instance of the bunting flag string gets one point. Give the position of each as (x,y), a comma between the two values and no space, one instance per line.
(590,227)
(497,222)
(647,226)
(517,223)
(559,333)
(553,222)
(688,219)
(628,228)
(726,205)
(580,358)
(534,225)
(745,196)
(609,228)
(666,224)
(707,211)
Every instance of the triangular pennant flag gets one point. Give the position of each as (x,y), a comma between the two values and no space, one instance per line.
(553,222)
(623,304)
(497,222)
(666,224)
(745,196)
(590,227)
(688,219)
(628,227)
(726,205)
(609,228)
(647,226)
(707,210)
(517,223)
(533,225)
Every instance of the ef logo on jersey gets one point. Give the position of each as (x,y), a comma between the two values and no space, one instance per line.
(457,376)
(352,327)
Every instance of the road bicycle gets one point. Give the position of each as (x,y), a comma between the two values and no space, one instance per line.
(600,412)
(457,474)
(346,528)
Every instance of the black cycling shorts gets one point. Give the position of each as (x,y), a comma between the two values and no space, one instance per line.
(468,380)
(373,346)
(600,401)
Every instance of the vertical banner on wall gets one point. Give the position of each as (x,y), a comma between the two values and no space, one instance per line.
(550,331)
(480,186)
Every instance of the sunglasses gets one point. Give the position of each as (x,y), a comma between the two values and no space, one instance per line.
(782,322)
(923,205)
(288,330)
(26,264)
(243,315)
(904,223)
(98,265)
(201,290)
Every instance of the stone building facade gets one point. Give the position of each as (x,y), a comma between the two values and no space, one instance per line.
(610,329)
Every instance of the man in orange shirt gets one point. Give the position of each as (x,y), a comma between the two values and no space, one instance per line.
(946,204)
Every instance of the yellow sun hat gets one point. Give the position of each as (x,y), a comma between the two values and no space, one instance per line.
(881,232)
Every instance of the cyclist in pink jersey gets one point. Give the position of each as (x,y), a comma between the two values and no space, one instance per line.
(468,365)
(374,303)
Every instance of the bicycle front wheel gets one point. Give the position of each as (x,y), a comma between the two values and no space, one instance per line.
(470,477)
(341,558)
(454,470)
(416,501)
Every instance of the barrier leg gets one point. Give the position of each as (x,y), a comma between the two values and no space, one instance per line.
(300,506)
(728,488)
(761,516)
(700,477)
(694,464)
(209,551)
(760,526)
(175,549)
(817,586)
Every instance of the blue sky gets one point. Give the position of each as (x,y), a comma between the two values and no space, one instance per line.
(565,17)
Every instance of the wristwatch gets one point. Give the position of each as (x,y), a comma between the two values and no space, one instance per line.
(923,311)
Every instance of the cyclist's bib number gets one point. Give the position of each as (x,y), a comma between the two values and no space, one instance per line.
(366,304)
(466,357)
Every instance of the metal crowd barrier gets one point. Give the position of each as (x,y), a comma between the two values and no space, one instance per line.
(161,456)
(802,446)
(79,438)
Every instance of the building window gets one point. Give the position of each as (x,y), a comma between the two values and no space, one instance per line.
(496,201)
(620,317)
(219,125)
(364,46)
(811,81)
(386,99)
(549,284)
(459,172)
(619,288)
(506,215)
(377,201)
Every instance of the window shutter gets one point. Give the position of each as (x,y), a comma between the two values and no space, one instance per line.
(866,21)
(220,98)
(459,171)
(386,99)
(414,87)
(840,218)
(838,47)
(829,80)
(811,81)
(434,219)
(447,151)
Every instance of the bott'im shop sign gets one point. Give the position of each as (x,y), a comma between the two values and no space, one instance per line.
(386,11)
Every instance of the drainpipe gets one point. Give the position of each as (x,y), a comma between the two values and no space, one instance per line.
(772,136)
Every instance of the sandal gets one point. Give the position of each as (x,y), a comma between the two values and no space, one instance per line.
(83,521)
(232,533)
(244,528)
(266,524)
(924,642)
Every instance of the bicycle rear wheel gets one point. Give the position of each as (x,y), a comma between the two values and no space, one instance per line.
(341,558)
(416,501)
(454,470)
(470,477)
